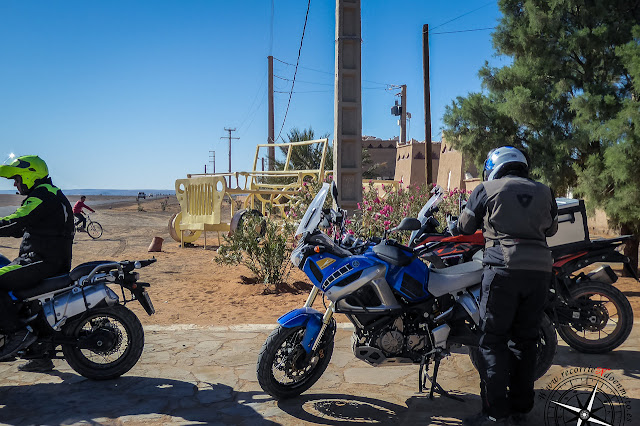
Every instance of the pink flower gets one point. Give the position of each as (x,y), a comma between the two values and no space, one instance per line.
(369,208)
(401,180)
(411,198)
(359,208)
(377,200)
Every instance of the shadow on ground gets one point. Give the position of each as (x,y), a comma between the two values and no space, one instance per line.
(340,409)
(78,400)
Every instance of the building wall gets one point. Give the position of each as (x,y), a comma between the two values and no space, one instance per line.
(454,170)
(382,152)
(410,162)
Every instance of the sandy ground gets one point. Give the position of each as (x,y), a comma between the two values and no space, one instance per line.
(187,286)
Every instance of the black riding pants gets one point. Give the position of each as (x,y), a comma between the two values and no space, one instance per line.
(511,307)
(24,272)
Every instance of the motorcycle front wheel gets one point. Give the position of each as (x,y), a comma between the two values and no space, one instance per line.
(605,318)
(109,342)
(284,369)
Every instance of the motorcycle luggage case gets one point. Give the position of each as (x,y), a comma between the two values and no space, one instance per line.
(572,224)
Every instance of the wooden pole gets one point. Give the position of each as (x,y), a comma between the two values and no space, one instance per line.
(272,151)
(427,105)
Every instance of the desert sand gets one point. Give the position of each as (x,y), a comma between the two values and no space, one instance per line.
(187,286)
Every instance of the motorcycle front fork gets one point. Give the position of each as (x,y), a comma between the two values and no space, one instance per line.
(326,318)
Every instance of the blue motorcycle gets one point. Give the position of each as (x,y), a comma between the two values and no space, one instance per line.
(404,310)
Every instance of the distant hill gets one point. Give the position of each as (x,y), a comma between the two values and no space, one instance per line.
(120,192)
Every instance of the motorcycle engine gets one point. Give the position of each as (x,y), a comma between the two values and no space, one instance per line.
(402,338)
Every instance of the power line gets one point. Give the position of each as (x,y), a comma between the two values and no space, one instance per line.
(306,17)
(464,14)
(303,81)
(463,31)
(330,73)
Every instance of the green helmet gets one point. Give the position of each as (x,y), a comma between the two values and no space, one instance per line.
(29,167)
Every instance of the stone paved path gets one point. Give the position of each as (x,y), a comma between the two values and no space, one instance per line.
(190,375)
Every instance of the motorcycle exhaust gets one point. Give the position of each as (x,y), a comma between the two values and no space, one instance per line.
(61,307)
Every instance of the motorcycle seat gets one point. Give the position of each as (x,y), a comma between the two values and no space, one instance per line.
(45,286)
(393,255)
(86,268)
(454,278)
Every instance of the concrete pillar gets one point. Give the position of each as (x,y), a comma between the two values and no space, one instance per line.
(347,150)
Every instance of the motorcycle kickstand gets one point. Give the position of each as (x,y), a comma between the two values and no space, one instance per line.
(435,386)
(422,375)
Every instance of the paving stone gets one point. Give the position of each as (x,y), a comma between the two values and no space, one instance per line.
(191,375)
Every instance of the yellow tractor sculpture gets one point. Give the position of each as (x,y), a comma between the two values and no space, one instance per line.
(201,195)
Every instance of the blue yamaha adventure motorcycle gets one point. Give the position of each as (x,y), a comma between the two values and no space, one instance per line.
(403,310)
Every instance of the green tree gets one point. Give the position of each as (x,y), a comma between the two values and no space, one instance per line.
(570,98)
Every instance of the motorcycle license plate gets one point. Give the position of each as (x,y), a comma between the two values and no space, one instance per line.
(148,300)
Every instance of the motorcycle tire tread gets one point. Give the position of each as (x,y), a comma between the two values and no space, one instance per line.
(77,361)
(265,363)
(625,316)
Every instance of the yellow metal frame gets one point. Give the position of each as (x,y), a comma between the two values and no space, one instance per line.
(200,195)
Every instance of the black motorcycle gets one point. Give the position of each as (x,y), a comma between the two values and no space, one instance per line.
(80,318)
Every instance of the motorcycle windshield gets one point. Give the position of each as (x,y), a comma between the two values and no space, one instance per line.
(427,210)
(312,216)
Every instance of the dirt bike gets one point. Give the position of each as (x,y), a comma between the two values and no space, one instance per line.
(590,314)
(403,311)
(79,318)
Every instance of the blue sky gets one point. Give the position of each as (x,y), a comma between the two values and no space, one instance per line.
(134,94)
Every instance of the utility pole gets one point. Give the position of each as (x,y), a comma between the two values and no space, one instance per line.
(212,156)
(272,151)
(229,137)
(403,114)
(427,105)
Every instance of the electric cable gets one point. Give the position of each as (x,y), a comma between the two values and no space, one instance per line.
(458,17)
(304,28)
(462,31)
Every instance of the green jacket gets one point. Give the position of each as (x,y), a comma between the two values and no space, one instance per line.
(45,223)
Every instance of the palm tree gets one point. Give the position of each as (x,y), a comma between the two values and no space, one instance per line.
(305,157)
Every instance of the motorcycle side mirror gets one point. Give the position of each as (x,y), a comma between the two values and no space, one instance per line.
(334,193)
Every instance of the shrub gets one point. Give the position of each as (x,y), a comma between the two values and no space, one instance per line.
(450,205)
(267,256)
(164,203)
(384,209)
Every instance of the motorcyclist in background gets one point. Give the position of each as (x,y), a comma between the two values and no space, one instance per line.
(45,223)
(516,214)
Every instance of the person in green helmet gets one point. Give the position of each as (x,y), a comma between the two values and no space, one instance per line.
(44,221)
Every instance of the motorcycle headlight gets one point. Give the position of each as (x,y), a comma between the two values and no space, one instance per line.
(297,256)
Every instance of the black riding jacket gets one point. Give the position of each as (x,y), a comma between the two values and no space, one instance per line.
(516,215)
(45,223)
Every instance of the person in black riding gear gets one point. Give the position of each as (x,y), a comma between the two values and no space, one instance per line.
(45,223)
(516,214)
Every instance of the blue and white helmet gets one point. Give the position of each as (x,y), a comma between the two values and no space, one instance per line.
(502,160)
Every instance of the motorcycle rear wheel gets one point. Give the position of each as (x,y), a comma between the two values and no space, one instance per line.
(117,338)
(282,371)
(611,318)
